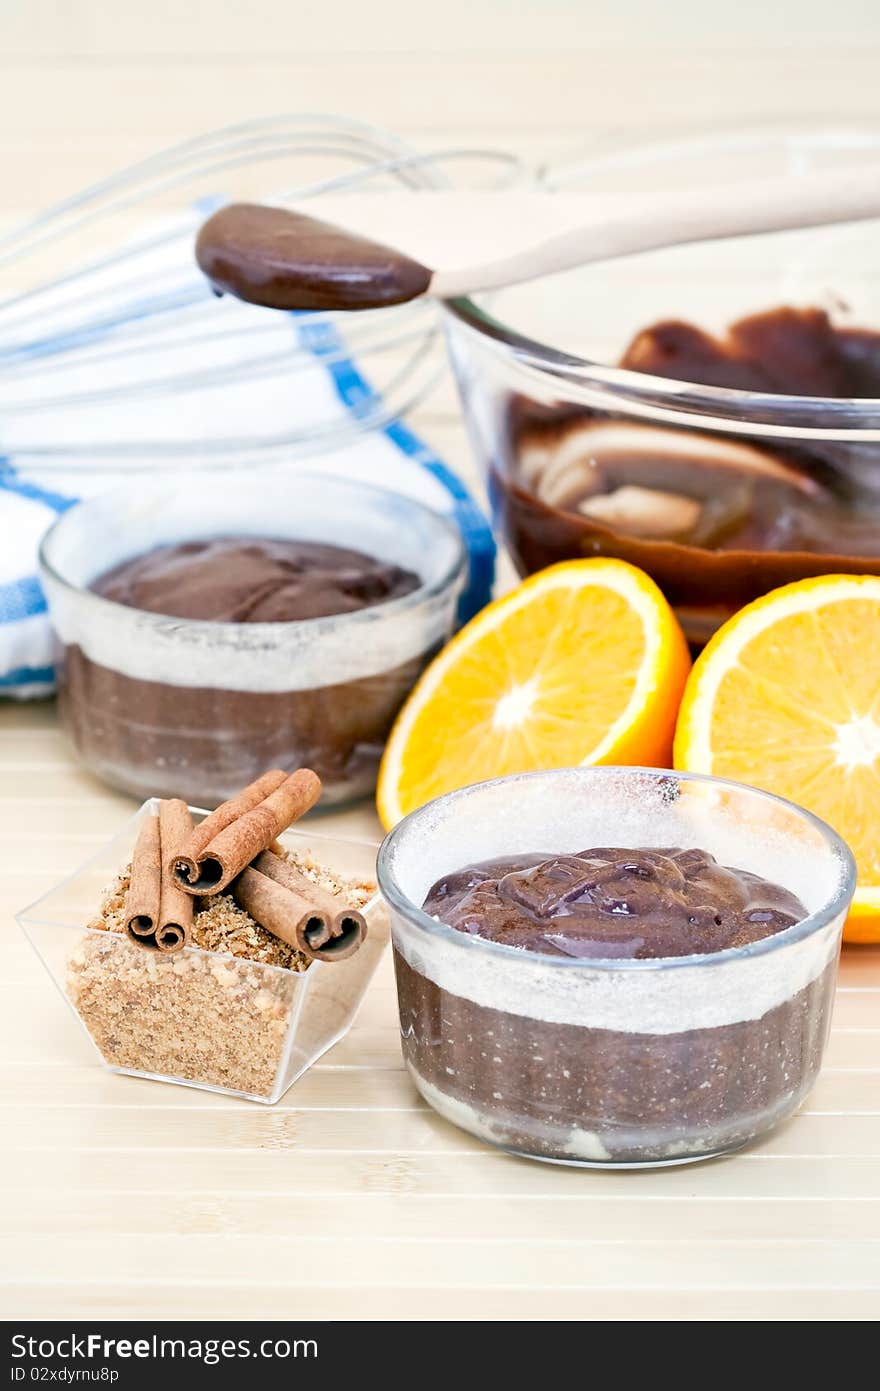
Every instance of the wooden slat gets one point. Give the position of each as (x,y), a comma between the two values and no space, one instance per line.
(482,1171)
(588,1215)
(630,90)
(624,90)
(326,1087)
(354,1131)
(799,1263)
(41,1300)
(50,31)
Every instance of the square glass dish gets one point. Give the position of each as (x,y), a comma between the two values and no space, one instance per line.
(206,1019)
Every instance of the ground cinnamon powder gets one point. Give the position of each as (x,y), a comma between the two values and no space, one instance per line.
(215,1016)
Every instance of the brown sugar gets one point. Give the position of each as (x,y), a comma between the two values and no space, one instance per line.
(218,1015)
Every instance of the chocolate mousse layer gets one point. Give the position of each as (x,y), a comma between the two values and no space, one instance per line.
(519,1051)
(716,520)
(613,903)
(166,737)
(251,580)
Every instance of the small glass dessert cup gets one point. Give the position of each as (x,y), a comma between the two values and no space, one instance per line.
(603,1062)
(207,1019)
(162,706)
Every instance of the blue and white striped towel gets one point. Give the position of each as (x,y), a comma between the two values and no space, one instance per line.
(237,406)
(25,639)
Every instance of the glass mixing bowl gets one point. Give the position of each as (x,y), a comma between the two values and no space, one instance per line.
(721,492)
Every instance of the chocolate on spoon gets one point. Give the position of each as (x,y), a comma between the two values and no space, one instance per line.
(288,260)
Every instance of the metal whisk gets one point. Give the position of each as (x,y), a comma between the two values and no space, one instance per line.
(114,354)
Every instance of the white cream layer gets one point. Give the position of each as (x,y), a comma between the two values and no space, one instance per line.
(652,1001)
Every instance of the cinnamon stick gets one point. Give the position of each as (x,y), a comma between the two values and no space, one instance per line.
(176,911)
(158,916)
(200,838)
(299,911)
(231,837)
(143,900)
(345,928)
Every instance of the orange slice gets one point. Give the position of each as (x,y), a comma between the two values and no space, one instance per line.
(786,697)
(583,663)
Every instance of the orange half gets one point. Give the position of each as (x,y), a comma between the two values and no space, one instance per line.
(786,697)
(582,663)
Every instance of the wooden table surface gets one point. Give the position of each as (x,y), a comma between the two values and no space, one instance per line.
(128,1198)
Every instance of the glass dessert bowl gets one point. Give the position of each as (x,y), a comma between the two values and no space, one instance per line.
(243,1016)
(615,1060)
(190,707)
(615,413)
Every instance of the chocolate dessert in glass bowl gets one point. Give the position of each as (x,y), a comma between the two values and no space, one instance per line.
(209,631)
(710,414)
(660,998)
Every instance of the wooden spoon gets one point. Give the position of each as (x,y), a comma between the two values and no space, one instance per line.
(455,243)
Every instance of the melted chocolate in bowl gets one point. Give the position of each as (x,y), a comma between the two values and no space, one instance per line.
(717,520)
(159,737)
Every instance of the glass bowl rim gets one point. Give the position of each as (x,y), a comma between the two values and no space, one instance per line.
(27,918)
(837,904)
(746,412)
(423,594)
(727,404)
